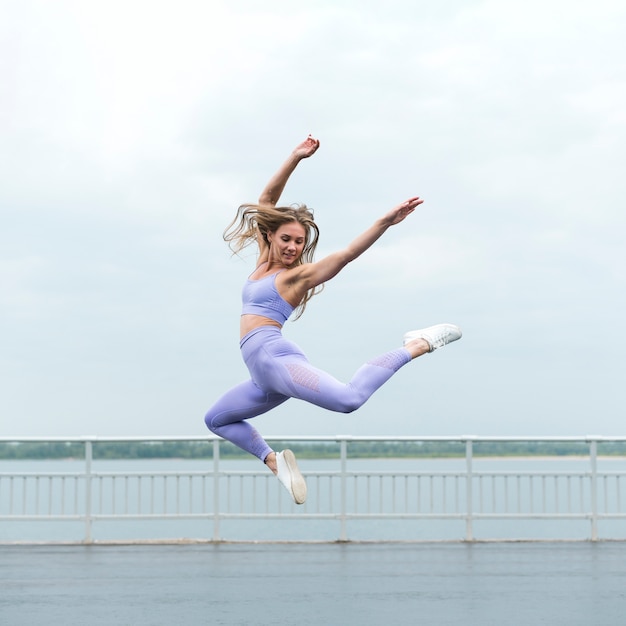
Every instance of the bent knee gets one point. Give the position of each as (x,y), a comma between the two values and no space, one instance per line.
(208,420)
(349,405)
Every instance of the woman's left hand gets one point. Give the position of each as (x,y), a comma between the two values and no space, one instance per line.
(397,214)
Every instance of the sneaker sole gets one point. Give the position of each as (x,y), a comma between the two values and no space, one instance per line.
(298,485)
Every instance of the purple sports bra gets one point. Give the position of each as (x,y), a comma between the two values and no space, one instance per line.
(260,297)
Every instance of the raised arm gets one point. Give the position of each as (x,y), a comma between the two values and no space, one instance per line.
(274,188)
(313,274)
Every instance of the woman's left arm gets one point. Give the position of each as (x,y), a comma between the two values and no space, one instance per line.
(313,274)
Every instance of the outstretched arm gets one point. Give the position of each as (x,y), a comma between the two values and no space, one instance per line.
(274,188)
(314,274)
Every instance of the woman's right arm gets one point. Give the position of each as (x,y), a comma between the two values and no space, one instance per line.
(274,188)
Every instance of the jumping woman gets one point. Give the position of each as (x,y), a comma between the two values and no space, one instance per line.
(284,280)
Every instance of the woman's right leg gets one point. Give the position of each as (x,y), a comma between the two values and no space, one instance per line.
(227,417)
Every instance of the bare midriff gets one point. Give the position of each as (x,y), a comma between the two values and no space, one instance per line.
(250,322)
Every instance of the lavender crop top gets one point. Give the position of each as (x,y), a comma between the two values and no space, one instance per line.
(260,297)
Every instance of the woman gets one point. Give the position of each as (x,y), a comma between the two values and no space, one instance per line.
(284,280)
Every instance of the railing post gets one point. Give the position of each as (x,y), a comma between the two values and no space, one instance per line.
(216,490)
(469,480)
(344,490)
(593,457)
(88,459)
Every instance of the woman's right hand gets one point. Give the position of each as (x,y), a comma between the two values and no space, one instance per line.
(274,188)
(307,148)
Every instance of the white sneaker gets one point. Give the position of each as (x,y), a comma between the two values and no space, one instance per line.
(436,336)
(290,476)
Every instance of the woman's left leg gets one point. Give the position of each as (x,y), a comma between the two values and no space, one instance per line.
(278,365)
(316,386)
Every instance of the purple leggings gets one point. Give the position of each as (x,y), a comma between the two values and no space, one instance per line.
(279,370)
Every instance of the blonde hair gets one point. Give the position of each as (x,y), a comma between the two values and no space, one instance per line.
(253,220)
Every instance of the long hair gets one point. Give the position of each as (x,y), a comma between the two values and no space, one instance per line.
(253,220)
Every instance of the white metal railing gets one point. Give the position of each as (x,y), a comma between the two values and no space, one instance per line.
(466,495)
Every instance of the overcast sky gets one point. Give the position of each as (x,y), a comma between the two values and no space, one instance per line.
(130,131)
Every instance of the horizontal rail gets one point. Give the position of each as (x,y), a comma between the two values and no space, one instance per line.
(220,493)
(318,438)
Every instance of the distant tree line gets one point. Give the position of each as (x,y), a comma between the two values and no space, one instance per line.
(322,450)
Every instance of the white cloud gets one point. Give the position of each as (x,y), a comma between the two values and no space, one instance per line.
(130,131)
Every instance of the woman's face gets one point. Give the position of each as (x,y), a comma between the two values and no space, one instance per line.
(287,242)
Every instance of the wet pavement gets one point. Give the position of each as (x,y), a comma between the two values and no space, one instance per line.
(321,584)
